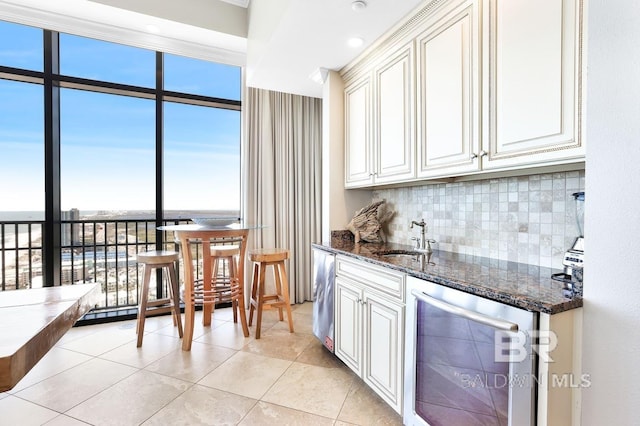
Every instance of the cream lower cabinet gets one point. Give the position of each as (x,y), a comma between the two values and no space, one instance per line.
(369,329)
(560,377)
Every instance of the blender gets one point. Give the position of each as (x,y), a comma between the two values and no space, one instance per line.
(573,260)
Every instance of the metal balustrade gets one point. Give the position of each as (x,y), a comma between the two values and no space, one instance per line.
(101,250)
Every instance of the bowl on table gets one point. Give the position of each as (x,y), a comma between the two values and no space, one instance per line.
(214,221)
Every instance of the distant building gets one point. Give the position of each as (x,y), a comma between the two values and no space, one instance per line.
(70,231)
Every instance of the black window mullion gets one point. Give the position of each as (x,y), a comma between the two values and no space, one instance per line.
(159,163)
(52,240)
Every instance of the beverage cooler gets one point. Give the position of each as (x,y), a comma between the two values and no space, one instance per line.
(467,359)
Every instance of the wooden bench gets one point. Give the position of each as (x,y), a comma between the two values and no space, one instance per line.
(32,321)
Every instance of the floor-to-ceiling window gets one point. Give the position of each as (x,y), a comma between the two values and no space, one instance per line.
(99,143)
(107,145)
(201,144)
(21,123)
(21,150)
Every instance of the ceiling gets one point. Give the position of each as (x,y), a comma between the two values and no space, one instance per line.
(290,39)
(281,42)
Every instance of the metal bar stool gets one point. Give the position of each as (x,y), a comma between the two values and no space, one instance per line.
(275,258)
(153,260)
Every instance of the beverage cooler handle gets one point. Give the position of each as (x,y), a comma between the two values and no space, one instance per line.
(456,310)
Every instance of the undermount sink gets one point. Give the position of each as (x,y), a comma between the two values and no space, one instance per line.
(420,256)
(400,253)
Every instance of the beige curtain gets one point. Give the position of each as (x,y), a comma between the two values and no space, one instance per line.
(282,178)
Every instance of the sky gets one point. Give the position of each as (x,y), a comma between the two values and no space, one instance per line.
(107,141)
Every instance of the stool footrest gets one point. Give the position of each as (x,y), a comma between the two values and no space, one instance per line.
(158,310)
(159,302)
(271,299)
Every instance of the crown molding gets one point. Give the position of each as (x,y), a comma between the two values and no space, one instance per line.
(182,39)
(241,3)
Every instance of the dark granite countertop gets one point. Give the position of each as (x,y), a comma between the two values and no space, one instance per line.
(517,284)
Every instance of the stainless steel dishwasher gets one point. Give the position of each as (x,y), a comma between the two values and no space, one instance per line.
(323,282)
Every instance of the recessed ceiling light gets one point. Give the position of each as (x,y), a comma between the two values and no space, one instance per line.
(355,41)
(358,5)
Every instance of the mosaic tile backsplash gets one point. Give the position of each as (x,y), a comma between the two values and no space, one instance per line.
(526,219)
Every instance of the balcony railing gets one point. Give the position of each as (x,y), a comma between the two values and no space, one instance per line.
(101,251)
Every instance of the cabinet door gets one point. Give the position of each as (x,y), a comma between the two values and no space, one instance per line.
(534,90)
(383,348)
(394,117)
(358,152)
(449,93)
(348,326)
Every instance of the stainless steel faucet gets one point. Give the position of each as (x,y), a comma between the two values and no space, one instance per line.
(421,243)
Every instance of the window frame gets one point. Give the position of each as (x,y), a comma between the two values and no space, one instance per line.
(52,81)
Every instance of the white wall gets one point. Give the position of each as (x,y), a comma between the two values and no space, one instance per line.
(611,350)
(338,204)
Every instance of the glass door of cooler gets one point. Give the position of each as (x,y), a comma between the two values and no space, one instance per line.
(467,367)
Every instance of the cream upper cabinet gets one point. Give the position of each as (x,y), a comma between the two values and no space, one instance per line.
(449,92)
(533,69)
(394,136)
(466,87)
(358,147)
(379,122)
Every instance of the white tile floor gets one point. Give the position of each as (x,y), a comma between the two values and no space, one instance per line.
(96,375)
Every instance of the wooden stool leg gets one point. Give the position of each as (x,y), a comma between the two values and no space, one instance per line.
(254,292)
(276,276)
(189,321)
(214,273)
(285,293)
(142,308)
(207,306)
(174,295)
(214,281)
(243,313)
(263,270)
(171,296)
(233,273)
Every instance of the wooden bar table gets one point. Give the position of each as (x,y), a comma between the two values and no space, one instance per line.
(33,320)
(207,235)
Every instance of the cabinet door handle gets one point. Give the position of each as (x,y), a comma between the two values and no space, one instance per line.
(483,153)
